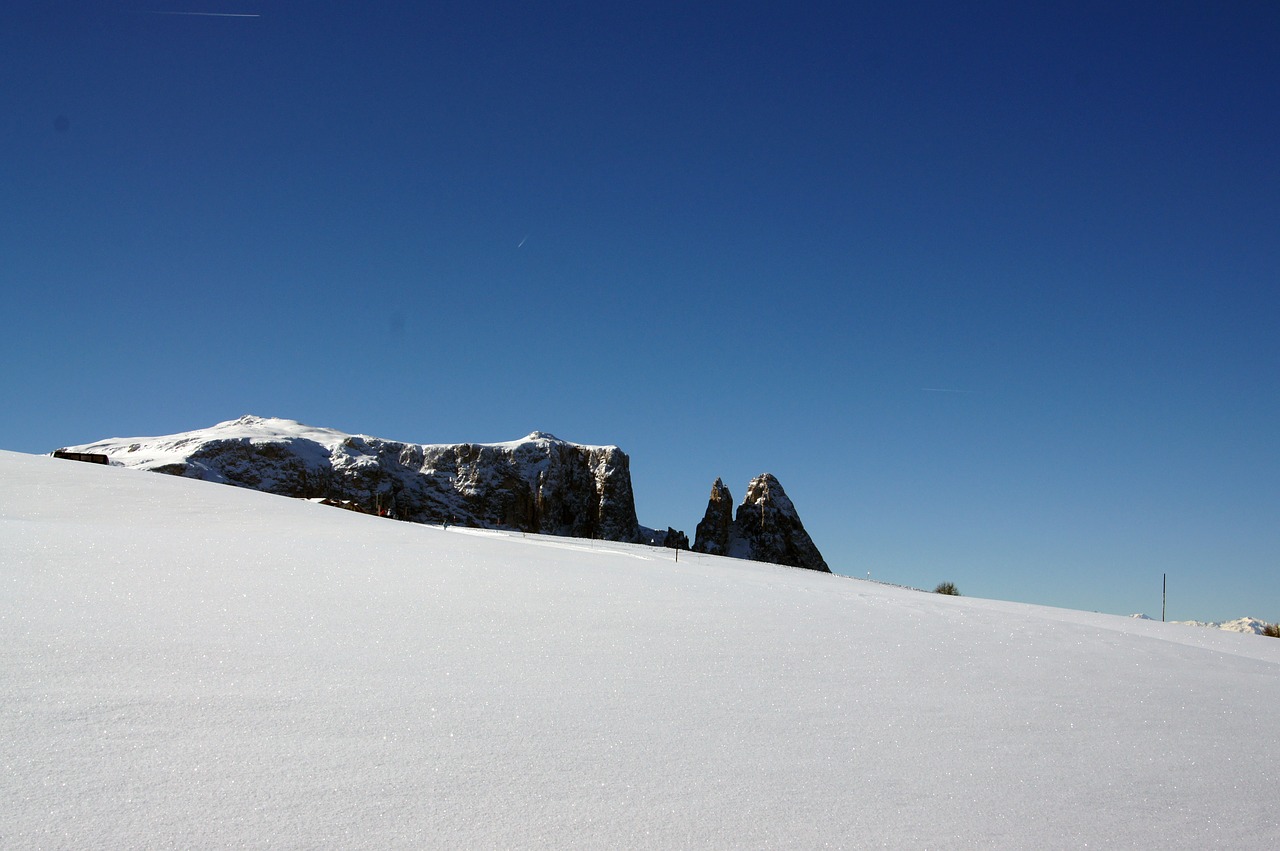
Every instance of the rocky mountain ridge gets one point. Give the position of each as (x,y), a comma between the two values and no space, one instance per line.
(536,484)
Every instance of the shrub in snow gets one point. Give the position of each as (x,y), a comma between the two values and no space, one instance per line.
(1272,629)
(947,588)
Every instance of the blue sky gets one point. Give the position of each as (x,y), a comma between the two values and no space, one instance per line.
(728,238)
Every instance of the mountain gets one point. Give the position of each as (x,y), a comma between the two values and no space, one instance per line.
(715,530)
(1247,625)
(1251,626)
(185,666)
(767,527)
(536,484)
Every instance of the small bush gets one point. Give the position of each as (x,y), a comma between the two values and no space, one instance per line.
(1272,630)
(947,588)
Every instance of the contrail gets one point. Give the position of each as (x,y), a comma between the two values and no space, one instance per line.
(943,390)
(208,14)
(521,245)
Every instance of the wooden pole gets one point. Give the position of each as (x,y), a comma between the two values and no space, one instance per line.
(1164,597)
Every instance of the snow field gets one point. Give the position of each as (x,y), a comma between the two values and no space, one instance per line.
(191,665)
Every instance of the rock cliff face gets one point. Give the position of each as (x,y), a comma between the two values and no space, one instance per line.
(768,522)
(766,528)
(536,484)
(713,533)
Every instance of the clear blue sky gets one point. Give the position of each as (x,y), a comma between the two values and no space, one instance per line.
(727,237)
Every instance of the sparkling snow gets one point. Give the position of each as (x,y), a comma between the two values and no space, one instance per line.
(191,665)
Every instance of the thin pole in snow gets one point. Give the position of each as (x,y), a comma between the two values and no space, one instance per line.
(1164,597)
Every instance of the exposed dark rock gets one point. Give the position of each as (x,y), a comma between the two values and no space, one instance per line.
(768,524)
(537,485)
(675,539)
(767,527)
(713,533)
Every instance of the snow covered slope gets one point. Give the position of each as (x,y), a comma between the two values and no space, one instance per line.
(191,666)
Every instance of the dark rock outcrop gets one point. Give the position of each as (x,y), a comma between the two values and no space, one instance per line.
(540,484)
(714,531)
(769,525)
(675,539)
(766,528)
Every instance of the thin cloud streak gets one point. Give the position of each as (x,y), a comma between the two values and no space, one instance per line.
(207,14)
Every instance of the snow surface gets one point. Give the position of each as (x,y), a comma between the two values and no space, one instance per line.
(190,665)
(175,448)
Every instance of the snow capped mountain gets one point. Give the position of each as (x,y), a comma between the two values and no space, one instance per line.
(1249,626)
(184,666)
(536,484)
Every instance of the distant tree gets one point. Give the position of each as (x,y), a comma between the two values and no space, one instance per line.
(947,588)
(1272,630)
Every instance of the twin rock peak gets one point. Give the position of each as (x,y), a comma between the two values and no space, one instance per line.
(766,528)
